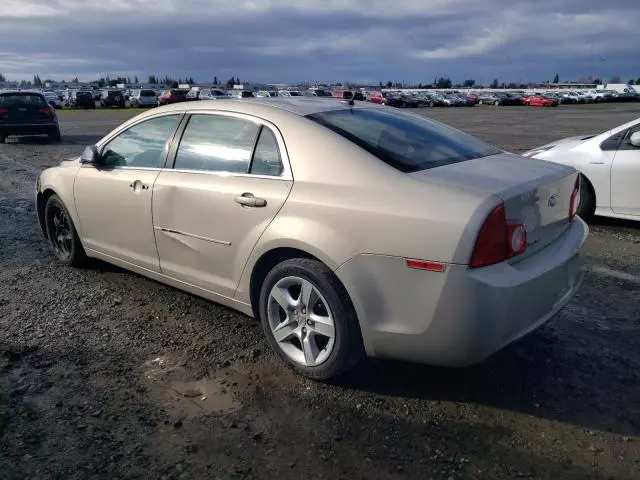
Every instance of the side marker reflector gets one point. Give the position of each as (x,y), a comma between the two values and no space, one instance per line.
(425,265)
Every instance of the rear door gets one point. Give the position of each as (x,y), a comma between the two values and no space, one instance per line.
(625,176)
(231,176)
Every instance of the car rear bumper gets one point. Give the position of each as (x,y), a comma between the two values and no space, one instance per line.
(460,317)
(27,128)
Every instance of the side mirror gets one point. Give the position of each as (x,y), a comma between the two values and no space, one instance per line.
(90,156)
(635,139)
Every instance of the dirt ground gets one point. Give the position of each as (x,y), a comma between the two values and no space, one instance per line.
(108,375)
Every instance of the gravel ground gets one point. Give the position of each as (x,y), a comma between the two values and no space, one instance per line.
(105,374)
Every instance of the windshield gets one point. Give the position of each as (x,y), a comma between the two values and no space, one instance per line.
(406,142)
(147,93)
(295,94)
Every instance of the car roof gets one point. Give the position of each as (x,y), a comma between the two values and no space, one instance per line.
(20,92)
(299,105)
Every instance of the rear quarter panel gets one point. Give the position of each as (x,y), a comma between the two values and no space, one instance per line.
(345,202)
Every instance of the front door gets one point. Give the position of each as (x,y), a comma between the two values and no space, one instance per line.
(113,200)
(625,177)
(229,181)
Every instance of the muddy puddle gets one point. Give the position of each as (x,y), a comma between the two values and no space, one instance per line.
(185,398)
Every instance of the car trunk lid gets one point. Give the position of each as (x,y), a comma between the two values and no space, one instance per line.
(535,193)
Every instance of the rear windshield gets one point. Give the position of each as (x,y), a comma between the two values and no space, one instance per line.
(147,93)
(406,142)
(114,92)
(84,94)
(22,99)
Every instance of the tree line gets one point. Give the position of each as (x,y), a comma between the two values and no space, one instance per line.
(438,82)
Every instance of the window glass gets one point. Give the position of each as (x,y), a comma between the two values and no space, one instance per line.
(141,145)
(406,142)
(217,143)
(266,159)
(22,99)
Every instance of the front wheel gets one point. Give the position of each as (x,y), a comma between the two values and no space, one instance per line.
(62,233)
(309,320)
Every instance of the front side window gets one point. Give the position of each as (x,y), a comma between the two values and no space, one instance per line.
(406,142)
(266,158)
(142,145)
(217,143)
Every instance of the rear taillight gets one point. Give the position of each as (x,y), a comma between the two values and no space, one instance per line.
(3,112)
(575,199)
(498,240)
(48,110)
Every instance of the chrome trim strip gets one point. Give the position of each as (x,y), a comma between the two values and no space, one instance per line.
(177,232)
(228,174)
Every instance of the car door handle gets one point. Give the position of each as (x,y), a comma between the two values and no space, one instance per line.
(249,200)
(138,185)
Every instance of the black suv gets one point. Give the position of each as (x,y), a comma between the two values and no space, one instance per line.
(27,113)
(112,98)
(82,99)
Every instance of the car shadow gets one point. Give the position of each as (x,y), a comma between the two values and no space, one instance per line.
(542,375)
(86,400)
(616,222)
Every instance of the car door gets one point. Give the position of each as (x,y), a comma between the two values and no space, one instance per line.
(113,201)
(625,176)
(230,178)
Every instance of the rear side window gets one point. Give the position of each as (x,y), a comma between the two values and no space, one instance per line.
(266,159)
(217,143)
(406,142)
(22,100)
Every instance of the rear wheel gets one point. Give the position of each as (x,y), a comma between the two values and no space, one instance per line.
(2,138)
(309,320)
(62,233)
(587,205)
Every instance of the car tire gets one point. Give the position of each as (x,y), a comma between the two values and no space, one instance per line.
(2,139)
(330,302)
(62,233)
(587,206)
(54,136)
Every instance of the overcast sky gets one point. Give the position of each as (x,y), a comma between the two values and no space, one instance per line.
(321,40)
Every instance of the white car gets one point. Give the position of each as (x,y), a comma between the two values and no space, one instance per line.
(52,99)
(289,93)
(143,98)
(609,164)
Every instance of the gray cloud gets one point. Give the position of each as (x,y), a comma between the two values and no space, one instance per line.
(272,40)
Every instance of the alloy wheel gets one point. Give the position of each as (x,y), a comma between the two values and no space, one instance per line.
(301,321)
(61,236)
